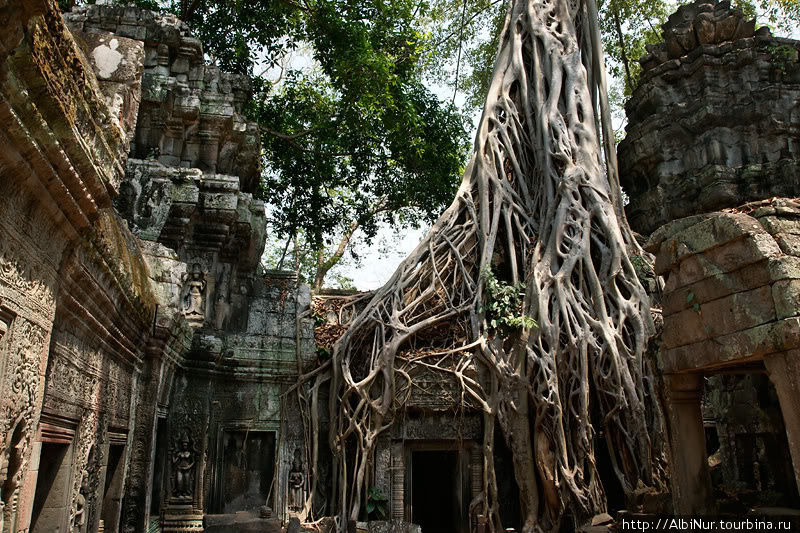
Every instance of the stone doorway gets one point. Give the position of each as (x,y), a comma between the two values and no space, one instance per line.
(112,493)
(51,504)
(746,443)
(248,470)
(437,496)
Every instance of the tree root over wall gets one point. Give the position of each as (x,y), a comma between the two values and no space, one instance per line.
(535,206)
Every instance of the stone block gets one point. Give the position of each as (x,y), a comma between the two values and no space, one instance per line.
(786,294)
(180,66)
(780,224)
(685,327)
(710,232)
(738,311)
(719,285)
(721,260)
(789,243)
(747,345)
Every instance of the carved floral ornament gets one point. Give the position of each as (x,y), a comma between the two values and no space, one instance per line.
(25,277)
(21,346)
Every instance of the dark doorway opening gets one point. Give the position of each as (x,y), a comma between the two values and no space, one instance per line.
(112,493)
(507,488)
(158,468)
(248,469)
(436,490)
(615,494)
(51,501)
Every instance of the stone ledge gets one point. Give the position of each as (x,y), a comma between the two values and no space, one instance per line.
(747,345)
(720,317)
(724,284)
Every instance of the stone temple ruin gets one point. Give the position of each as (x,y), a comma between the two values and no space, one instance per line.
(147,363)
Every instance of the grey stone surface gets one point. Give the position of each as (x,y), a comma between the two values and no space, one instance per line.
(731,290)
(713,122)
(191,113)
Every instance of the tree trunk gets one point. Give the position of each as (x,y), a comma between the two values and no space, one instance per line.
(534,206)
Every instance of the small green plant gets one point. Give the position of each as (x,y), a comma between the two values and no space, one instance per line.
(323,353)
(503,307)
(153,154)
(377,503)
(690,299)
(319,316)
(782,57)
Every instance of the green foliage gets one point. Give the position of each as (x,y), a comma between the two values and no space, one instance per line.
(690,299)
(503,309)
(643,268)
(323,353)
(377,503)
(627,26)
(473,29)
(783,58)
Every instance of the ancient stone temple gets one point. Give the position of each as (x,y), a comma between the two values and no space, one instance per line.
(144,355)
(149,365)
(715,125)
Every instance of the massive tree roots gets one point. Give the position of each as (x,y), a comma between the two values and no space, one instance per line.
(535,207)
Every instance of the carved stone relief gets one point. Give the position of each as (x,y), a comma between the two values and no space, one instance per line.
(86,438)
(194,294)
(297,482)
(26,277)
(20,388)
(71,388)
(79,518)
(184,465)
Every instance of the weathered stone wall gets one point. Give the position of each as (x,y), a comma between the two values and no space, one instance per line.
(714,121)
(113,319)
(190,114)
(732,304)
(75,300)
(189,188)
(732,288)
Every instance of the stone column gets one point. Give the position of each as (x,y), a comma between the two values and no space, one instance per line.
(784,371)
(691,482)
(398,481)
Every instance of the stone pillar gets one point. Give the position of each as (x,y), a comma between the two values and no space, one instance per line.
(398,481)
(476,470)
(691,482)
(784,371)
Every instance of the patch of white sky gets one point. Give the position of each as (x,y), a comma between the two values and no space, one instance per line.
(376,263)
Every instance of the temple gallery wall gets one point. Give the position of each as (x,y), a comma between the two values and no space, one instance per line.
(148,362)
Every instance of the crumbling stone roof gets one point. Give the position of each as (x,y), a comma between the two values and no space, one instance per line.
(714,120)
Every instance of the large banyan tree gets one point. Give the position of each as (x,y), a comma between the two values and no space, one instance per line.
(523,292)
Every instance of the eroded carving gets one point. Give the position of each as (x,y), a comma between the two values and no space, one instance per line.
(183,461)
(297,481)
(85,440)
(79,519)
(194,296)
